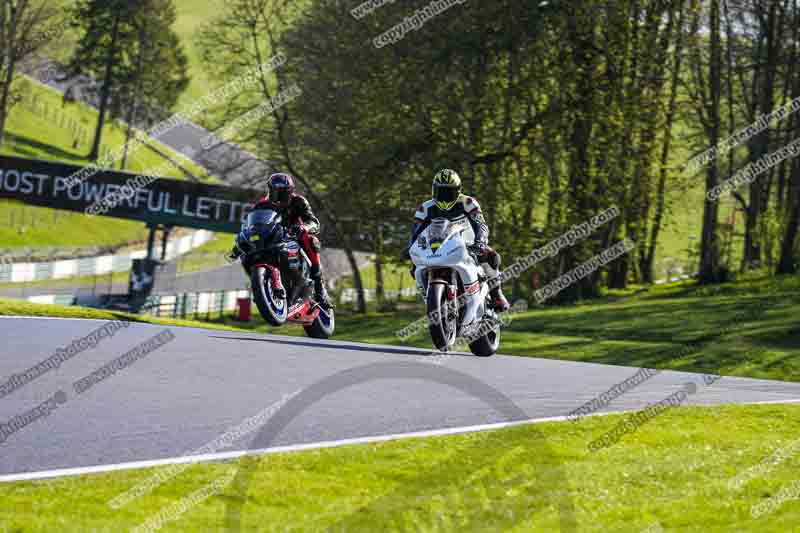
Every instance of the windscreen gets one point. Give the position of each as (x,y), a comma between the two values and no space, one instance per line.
(441,228)
(262,217)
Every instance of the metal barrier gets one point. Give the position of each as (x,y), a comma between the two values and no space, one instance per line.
(194,305)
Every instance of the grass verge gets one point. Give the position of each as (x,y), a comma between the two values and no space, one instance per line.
(9,307)
(674,472)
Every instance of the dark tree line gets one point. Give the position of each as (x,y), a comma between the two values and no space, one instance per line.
(552,112)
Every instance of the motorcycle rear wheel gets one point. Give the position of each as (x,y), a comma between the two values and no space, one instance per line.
(274,310)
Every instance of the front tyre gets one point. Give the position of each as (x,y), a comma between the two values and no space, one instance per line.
(274,310)
(443,331)
(323,326)
(488,345)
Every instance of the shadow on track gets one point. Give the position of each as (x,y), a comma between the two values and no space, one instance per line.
(342,346)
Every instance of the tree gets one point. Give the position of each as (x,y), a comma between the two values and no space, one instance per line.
(128,44)
(157,44)
(26,27)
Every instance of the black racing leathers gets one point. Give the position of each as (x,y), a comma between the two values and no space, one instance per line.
(297,212)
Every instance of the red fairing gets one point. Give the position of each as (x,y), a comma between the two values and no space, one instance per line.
(308,247)
(305,313)
(473,289)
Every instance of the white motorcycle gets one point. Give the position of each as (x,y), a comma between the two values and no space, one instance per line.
(454,286)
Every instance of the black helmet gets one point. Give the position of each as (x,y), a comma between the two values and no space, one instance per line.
(280,189)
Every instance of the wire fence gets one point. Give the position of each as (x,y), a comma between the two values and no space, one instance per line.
(195,306)
(56,116)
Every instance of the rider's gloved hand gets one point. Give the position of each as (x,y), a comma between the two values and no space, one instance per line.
(479,248)
(297,229)
(405,255)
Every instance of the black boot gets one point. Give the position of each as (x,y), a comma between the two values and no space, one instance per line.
(501,304)
(235,254)
(320,293)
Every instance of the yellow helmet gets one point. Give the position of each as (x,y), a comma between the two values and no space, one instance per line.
(446,189)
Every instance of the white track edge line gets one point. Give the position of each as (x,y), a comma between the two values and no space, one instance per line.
(22,317)
(225,456)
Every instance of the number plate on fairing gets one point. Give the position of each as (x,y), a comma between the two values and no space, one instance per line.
(293,254)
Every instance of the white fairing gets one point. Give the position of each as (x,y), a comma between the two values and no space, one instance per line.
(452,253)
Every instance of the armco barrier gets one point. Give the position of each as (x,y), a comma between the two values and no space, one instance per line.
(351,295)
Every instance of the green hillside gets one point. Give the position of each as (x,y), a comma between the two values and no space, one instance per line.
(45,130)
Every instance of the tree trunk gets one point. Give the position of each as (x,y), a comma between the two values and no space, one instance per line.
(105,92)
(582,28)
(786,264)
(650,257)
(134,102)
(757,204)
(7,57)
(5,91)
(709,249)
(357,281)
(379,288)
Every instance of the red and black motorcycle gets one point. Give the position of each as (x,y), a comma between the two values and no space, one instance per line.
(280,274)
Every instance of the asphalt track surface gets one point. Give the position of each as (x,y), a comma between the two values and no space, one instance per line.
(195,388)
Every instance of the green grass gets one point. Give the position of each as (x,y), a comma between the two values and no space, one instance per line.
(192,15)
(209,256)
(673,471)
(13,307)
(25,226)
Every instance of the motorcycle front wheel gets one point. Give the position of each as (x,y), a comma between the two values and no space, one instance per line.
(274,310)
(486,346)
(443,331)
(323,326)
